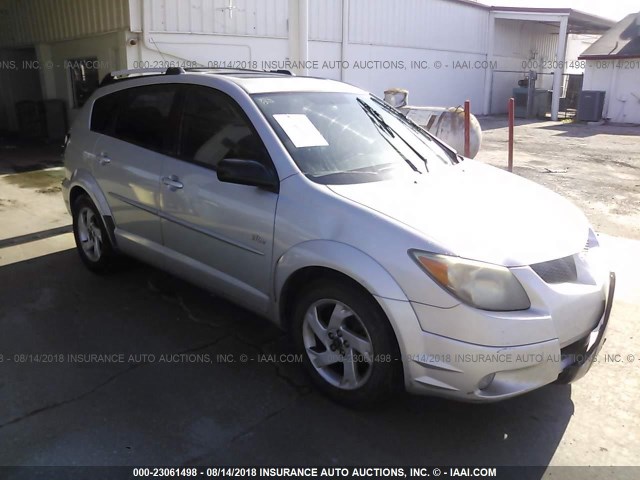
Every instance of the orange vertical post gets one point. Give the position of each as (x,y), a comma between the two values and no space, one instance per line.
(467,128)
(512,108)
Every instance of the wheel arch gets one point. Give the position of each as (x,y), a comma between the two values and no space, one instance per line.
(329,259)
(83,183)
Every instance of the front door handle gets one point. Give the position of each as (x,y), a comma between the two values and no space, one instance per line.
(172,182)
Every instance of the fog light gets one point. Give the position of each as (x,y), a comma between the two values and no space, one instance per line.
(486,381)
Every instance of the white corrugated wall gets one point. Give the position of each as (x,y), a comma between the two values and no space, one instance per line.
(265,18)
(28,22)
(404,32)
(433,24)
(261,18)
(242,32)
(619,79)
(435,34)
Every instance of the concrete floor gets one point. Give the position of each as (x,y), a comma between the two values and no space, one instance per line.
(200,408)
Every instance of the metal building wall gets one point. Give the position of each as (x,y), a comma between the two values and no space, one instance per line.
(621,101)
(431,24)
(261,18)
(378,30)
(28,22)
(265,18)
(325,20)
(437,35)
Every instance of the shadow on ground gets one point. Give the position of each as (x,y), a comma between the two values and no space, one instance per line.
(59,410)
(583,130)
(19,156)
(572,129)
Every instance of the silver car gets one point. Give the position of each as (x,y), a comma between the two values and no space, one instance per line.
(393,261)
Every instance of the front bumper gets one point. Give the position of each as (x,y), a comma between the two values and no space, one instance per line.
(578,358)
(438,365)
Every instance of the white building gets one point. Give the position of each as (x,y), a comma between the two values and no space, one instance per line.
(443,51)
(613,66)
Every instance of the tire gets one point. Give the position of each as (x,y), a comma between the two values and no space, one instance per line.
(350,352)
(92,240)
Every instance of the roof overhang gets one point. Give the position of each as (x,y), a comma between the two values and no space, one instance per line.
(620,42)
(578,22)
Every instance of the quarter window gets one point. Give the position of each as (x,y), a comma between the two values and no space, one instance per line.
(214,128)
(104,109)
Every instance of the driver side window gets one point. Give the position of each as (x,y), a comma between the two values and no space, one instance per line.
(214,127)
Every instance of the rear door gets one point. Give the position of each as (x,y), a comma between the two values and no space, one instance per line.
(223,231)
(130,154)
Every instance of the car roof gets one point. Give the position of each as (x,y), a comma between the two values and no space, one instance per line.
(287,83)
(252,81)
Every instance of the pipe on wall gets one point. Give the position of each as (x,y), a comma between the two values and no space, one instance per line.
(345,38)
(303,34)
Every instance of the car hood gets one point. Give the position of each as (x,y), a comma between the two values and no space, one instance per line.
(479,212)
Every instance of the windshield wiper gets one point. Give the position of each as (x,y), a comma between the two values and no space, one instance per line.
(425,133)
(379,122)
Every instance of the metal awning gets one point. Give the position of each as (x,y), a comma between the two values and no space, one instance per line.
(578,22)
(567,21)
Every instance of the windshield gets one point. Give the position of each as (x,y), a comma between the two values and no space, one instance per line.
(343,138)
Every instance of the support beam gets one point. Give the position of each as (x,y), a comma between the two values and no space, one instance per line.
(47,78)
(345,38)
(303,33)
(299,33)
(511,108)
(557,74)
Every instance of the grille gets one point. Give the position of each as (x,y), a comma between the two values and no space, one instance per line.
(562,270)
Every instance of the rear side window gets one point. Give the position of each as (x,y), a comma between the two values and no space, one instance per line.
(214,127)
(143,116)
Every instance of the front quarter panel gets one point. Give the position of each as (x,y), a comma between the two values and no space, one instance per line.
(342,258)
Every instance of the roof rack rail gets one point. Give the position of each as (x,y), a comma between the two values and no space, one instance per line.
(128,74)
(133,72)
(243,70)
(283,72)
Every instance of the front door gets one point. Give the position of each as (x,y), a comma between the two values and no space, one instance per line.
(223,230)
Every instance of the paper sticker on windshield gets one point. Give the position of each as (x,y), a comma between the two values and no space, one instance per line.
(300,130)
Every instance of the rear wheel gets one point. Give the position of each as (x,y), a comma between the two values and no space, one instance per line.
(348,346)
(92,240)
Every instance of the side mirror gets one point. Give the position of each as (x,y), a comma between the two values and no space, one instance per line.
(247,172)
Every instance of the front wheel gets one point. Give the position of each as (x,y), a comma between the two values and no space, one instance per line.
(348,345)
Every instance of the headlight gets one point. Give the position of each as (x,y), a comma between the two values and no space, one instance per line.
(481,285)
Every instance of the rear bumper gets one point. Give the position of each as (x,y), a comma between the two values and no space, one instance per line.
(441,366)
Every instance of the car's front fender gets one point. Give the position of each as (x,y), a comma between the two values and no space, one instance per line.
(342,258)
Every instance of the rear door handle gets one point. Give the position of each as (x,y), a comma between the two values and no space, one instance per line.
(172,182)
(104,159)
